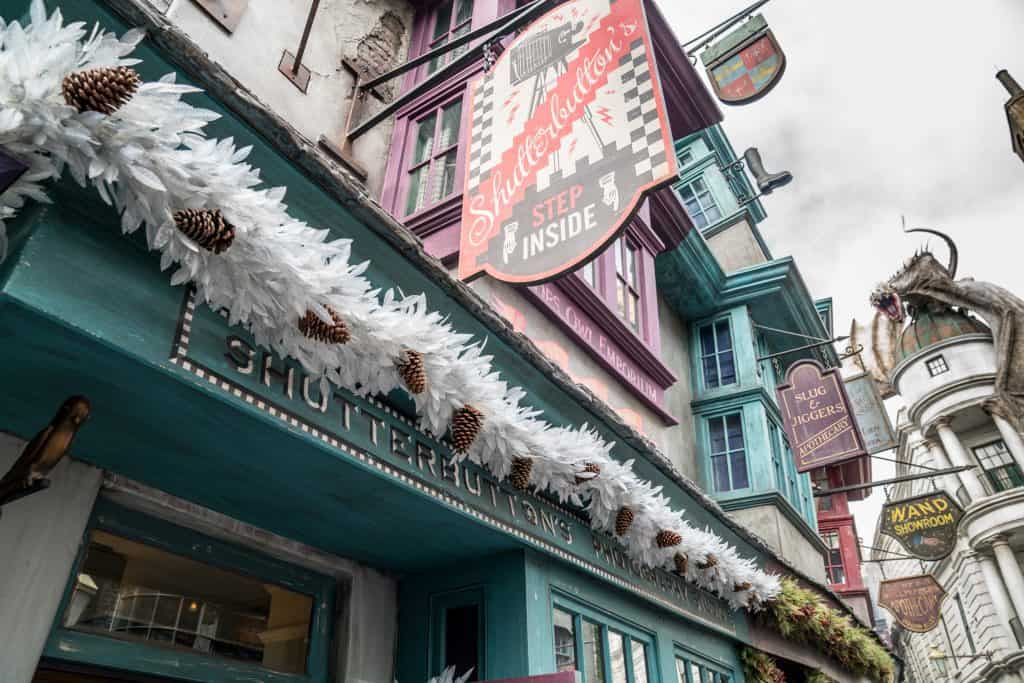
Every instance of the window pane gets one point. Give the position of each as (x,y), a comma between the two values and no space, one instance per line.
(437,62)
(451,119)
(418,182)
(617,654)
(590,274)
(712,214)
(722,335)
(707,340)
(734,427)
(592,652)
(681,670)
(620,297)
(136,592)
(639,662)
(465,11)
(717,428)
(565,641)
(633,310)
(738,464)
(424,143)
(632,277)
(443,19)
(720,468)
(727,368)
(444,184)
(694,673)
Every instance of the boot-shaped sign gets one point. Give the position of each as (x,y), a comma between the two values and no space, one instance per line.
(568,131)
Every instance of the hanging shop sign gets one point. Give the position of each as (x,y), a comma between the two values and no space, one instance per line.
(568,131)
(746,64)
(560,677)
(914,601)
(870,414)
(924,525)
(817,418)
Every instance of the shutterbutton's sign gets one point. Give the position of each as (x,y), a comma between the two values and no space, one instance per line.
(569,130)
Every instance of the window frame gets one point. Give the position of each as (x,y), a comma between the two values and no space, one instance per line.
(717,354)
(607,623)
(728,453)
(689,185)
(690,658)
(410,166)
(828,556)
(932,365)
(427,41)
(1008,468)
(91,649)
(624,249)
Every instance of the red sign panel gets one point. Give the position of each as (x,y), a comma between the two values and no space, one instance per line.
(817,418)
(914,601)
(568,130)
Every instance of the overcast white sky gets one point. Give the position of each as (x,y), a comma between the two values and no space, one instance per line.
(886,108)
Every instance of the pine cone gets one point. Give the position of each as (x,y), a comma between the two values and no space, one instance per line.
(519,477)
(206,227)
(103,90)
(740,587)
(412,372)
(334,332)
(466,424)
(709,562)
(667,539)
(591,468)
(682,563)
(623,520)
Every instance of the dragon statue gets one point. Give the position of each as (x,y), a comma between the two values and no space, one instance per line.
(924,284)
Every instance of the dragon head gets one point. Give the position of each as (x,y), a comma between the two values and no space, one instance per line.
(898,292)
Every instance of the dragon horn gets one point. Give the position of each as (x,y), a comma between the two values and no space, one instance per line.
(953,253)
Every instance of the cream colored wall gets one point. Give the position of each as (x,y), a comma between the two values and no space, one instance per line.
(784,538)
(736,248)
(340,30)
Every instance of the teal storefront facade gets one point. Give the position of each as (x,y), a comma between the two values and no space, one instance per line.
(373,553)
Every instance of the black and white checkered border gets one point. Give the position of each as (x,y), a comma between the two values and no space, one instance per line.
(179,358)
(481,134)
(645,134)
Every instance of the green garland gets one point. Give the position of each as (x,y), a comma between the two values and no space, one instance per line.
(819,677)
(759,667)
(800,615)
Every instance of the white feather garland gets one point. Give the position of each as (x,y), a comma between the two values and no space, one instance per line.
(151,158)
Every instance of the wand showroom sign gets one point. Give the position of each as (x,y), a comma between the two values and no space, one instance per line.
(817,417)
(924,525)
(569,130)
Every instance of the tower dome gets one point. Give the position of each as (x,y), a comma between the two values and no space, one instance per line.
(930,328)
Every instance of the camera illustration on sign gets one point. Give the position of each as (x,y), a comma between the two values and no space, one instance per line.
(746,64)
(817,417)
(914,601)
(924,525)
(568,131)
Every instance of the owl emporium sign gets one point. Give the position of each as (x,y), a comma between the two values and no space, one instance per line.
(817,417)
(924,525)
(914,601)
(568,132)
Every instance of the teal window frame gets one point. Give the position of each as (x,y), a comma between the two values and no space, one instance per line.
(716,353)
(440,603)
(728,452)
(701,214)
(689,659)
(103,652)
(607,624)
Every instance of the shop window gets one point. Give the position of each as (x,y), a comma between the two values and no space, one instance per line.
(451,19)
(716,353)
(936,366)
(433,160)
(834,558)
(609,651)
(167,601)
(627,282)
(728,453)
(693,669)
(1002,472)
(700,203)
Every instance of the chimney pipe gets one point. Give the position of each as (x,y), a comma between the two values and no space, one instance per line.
(1011,85)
